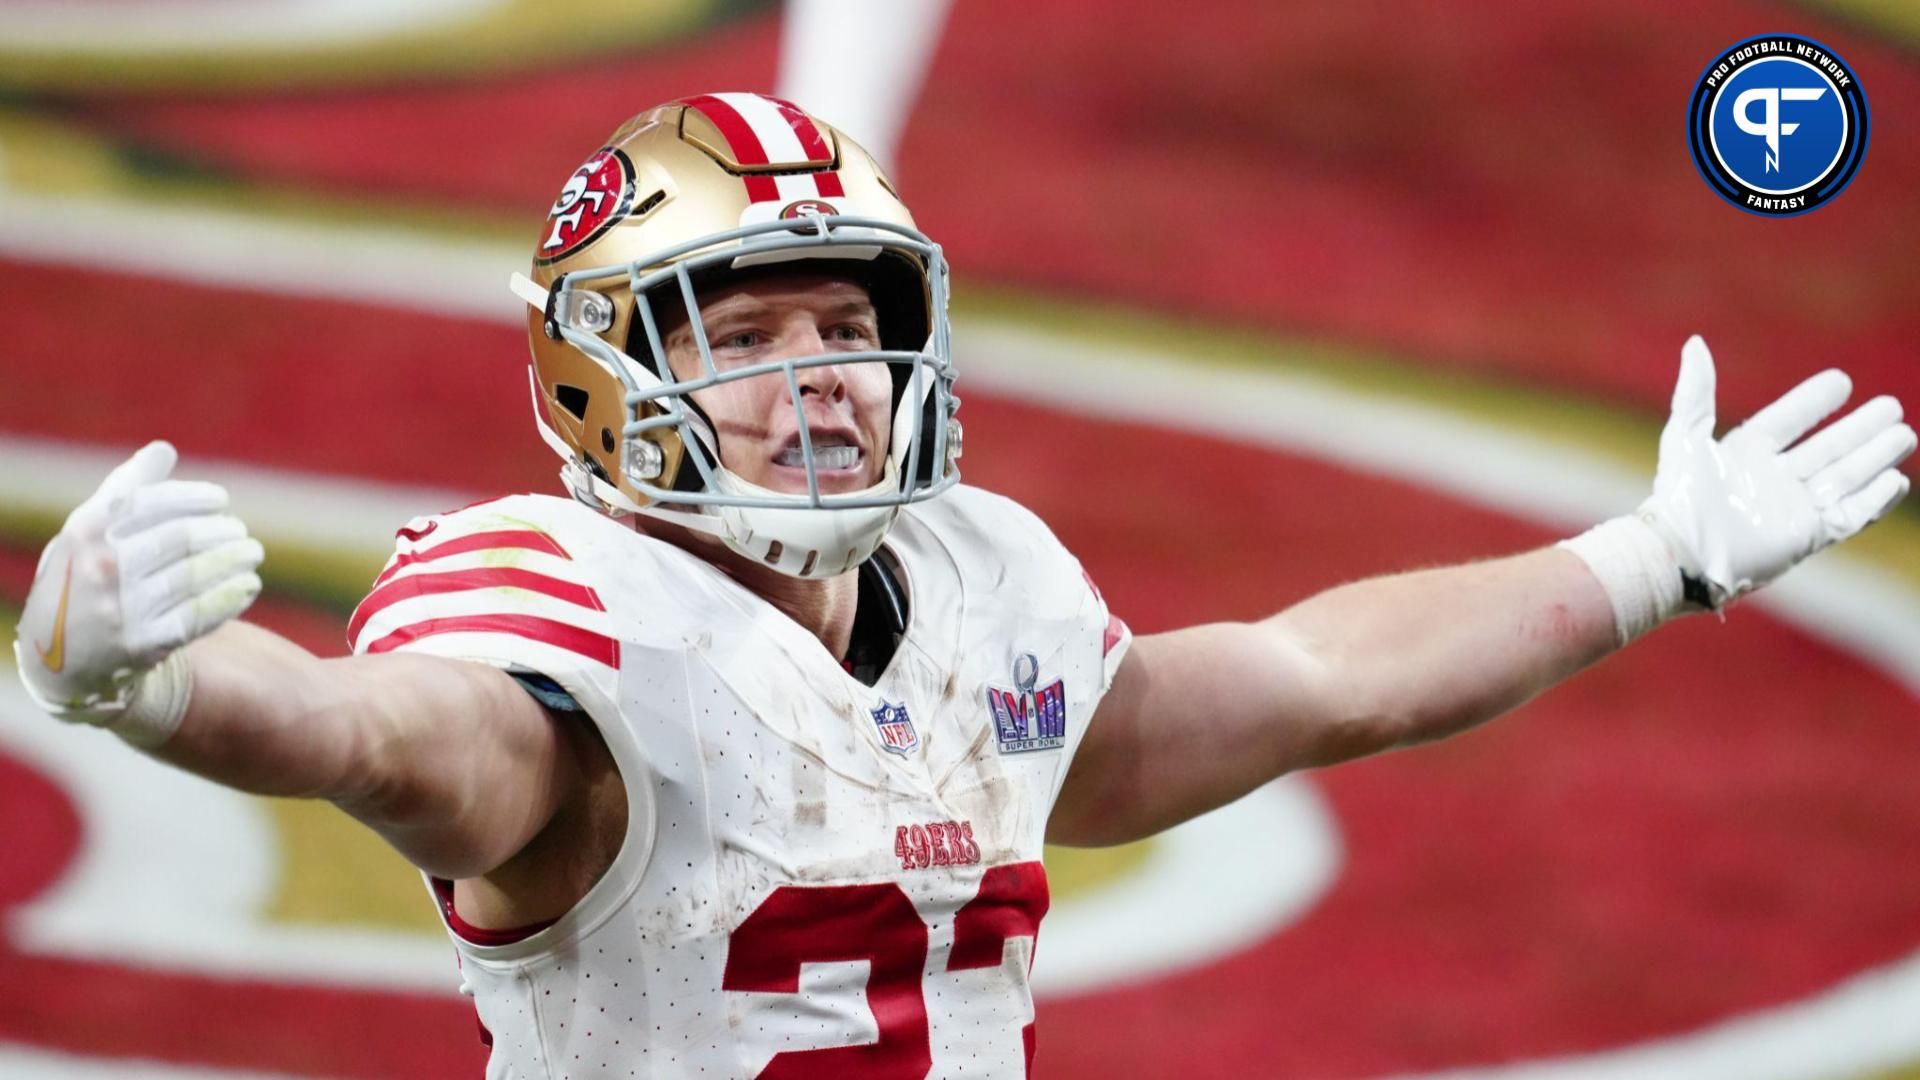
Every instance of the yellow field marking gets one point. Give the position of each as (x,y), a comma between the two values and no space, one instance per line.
(49,155)
(1895,18)
(1071,871)
(325,579)
(514,35)
(339,872)
(9,618)
(40,155)
(26,529)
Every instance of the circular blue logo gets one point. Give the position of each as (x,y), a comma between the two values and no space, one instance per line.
(1778,125)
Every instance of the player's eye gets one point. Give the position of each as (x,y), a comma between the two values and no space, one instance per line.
(740,339)
(850,333)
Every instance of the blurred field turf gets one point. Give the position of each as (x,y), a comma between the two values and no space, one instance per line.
(1897,19)
(1366,190)
(501,37)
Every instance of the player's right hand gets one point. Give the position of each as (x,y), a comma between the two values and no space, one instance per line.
(142,567)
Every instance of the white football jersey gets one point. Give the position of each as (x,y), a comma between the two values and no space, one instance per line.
(820,878)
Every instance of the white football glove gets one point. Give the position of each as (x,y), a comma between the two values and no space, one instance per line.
(144,566)
(1741,511)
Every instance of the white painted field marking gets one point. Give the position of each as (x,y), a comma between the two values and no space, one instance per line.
(25,1063)
(155,28)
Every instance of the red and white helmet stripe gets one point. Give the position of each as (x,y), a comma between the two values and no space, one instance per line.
(762,130)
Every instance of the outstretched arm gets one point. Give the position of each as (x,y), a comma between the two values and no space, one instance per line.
(127,627)
(450,762)
(1198,717)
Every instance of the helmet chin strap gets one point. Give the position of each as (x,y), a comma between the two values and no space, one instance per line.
(802,542)
(805,542)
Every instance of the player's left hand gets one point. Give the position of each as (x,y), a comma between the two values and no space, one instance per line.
(1742,510)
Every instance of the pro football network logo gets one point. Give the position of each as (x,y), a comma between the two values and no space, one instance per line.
(595,198)
(896,728)
(1026,718)
(1778,125)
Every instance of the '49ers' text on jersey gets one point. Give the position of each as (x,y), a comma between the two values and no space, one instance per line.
(819,877)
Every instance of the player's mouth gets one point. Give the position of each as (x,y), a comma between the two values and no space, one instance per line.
(826,457)
(836,454)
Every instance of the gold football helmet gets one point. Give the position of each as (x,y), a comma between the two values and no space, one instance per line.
(696,193)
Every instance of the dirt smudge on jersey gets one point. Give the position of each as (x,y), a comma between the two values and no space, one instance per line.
(809,795)
(980,791)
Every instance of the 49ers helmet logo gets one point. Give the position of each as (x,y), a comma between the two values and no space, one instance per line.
(596,196)
(807,206)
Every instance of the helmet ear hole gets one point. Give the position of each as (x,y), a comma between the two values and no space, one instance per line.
(647,204)
(573,399)
(606,439)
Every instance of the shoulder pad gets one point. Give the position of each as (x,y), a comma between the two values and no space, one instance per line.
(505,582)
(1005,550)
(994,538)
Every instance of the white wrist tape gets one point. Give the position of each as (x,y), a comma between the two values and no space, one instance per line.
(1638,571)
(157,703)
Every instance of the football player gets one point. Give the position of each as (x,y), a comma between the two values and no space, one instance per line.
(739,760)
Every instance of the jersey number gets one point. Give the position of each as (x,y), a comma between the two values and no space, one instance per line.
(801,924)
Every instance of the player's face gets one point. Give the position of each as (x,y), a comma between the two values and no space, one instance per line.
(847,405)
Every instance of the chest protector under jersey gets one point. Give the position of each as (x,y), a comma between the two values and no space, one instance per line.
(820,878)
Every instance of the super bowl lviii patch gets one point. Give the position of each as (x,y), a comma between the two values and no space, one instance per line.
(1026,718)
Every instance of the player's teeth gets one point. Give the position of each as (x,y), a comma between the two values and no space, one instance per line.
(824,457)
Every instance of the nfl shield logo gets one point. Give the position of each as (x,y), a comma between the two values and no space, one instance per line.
(896,729)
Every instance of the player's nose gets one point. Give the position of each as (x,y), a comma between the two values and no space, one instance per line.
(825,379)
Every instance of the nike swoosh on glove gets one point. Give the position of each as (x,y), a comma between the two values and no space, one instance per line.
(1739,511)
(143,566)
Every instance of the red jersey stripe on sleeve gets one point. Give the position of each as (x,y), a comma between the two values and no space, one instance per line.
(1115,628)
(587,643)
(483,577)
(524,539)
